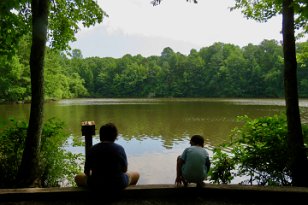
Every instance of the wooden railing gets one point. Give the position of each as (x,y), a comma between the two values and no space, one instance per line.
(159,194)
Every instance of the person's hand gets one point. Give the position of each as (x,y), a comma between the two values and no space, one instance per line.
(179,180)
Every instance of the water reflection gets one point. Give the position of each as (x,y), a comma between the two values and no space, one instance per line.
(165,119)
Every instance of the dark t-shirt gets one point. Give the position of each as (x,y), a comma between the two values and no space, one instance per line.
(108,163)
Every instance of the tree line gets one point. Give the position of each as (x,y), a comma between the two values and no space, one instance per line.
(219,70)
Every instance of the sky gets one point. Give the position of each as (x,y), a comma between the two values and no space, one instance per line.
(137,27)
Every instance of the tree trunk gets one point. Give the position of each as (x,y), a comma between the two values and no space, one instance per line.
(297,155)
(29,168)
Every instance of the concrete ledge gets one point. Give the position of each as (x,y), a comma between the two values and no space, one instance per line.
(159,194)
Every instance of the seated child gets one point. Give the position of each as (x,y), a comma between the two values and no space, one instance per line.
(194,163)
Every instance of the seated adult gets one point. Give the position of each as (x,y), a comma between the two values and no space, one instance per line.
(106,164)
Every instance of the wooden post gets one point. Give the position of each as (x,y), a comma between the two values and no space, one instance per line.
(88,130)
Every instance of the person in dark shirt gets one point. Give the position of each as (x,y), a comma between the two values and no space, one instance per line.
(106,164)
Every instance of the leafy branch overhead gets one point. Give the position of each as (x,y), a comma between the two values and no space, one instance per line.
(264,10)
(157,2)
(65,18)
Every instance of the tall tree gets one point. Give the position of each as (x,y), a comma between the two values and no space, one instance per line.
(298,156)
(263,10)
(64,16)
(29,164)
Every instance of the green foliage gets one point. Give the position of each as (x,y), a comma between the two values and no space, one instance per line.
(220,70)
(221,168)
(57,166)
(15,76)
(259,153)
(68,84)
(65,18)
(13,25)
(14,79)
(157,2)
(11,147)
(263,10)
(302,60)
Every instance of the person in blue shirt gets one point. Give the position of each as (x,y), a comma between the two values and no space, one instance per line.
(194,163)
(106,164)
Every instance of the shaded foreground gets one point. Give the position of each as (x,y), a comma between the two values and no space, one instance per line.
(158,194)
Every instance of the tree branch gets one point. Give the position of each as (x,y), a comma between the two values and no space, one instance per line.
(157,2)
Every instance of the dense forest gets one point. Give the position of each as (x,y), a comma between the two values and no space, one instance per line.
(220,70)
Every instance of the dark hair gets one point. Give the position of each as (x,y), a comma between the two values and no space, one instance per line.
(108,132)
(197,140)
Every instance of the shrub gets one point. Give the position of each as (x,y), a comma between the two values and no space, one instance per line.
(57,166)
(221,168)
(12,141)
(258,153)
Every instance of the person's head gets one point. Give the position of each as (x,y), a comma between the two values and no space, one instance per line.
(197,140)
(108,132)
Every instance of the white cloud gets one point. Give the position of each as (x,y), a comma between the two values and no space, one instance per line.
(135,26)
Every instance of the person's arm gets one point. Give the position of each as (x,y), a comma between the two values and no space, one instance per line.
(179,177)
(124,169)
(207,163)
(123,159)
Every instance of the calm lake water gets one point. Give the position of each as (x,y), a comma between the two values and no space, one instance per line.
(155,131)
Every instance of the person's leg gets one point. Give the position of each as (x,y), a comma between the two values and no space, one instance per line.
(179,164)
(133,178)
(200,184)
(81,180)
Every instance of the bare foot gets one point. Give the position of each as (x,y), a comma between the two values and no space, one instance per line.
(200,184)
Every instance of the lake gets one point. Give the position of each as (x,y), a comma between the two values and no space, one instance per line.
(155,131)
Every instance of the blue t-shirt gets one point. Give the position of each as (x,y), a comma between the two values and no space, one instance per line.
(194,168)
(108,164)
